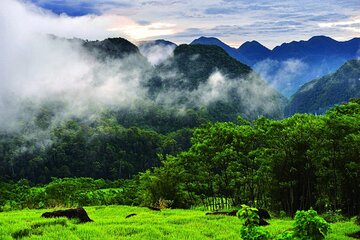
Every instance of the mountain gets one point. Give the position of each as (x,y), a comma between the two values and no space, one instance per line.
(253,52)
(321,94)
(297,63)
(288,66)
(248,53)
(199,76)
(318,46)
(195,77)
(233,52)
(111,47)
(197,62)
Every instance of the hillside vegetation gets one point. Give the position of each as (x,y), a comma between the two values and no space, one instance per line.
(321,94)
(300,162)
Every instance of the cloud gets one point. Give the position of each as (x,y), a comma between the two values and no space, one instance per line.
(92,27)
(38,70)
(220,10)
(81,7)
(145,31)
(269,22)
(352,25)
(281,75)
(156,53)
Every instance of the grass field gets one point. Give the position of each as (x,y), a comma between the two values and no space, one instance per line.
(110,223)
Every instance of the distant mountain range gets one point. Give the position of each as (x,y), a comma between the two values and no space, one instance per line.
(288,66)
(248,53)
(319,95)
(208,67)
(197,77)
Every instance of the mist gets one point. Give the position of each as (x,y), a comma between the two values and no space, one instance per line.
(43,67)
(250,91)
(156,53)
(36,67)
(281,75)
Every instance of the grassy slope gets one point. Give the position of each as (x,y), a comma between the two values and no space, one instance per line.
(110,223)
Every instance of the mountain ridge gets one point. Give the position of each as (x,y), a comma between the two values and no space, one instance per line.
(320,94)
(317,56)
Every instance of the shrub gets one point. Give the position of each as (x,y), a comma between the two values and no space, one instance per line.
(310,226)
(250,221)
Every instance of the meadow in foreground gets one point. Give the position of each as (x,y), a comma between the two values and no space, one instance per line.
(110,223)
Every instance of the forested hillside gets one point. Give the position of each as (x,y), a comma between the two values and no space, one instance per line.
(116,113)
(205,76)
(295,163)
(320,94)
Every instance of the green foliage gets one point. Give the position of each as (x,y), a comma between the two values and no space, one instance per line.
(295,163)
(67,192)
(310,226)
(289,164)
(287,235)
(248,215)
(104,149)
(250,229)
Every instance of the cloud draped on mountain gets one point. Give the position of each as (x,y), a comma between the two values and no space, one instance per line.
(198,77)
(319,95)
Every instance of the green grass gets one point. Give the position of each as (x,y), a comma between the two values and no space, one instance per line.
(110,223)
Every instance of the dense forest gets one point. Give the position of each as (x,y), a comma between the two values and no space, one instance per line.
(295,163)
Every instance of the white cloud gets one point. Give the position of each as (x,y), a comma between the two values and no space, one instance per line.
(156,53)
(37,68)
(269,22)
(351,25)
(281,75)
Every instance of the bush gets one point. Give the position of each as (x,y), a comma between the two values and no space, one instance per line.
(250,229)
(310,226)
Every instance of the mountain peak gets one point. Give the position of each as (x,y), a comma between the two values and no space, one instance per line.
(208,41)
(254,51)
(250,44)
(233,52)
(321,38)
(113,47)
(253,45)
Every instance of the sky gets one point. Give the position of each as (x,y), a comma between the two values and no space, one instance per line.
(181,21)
